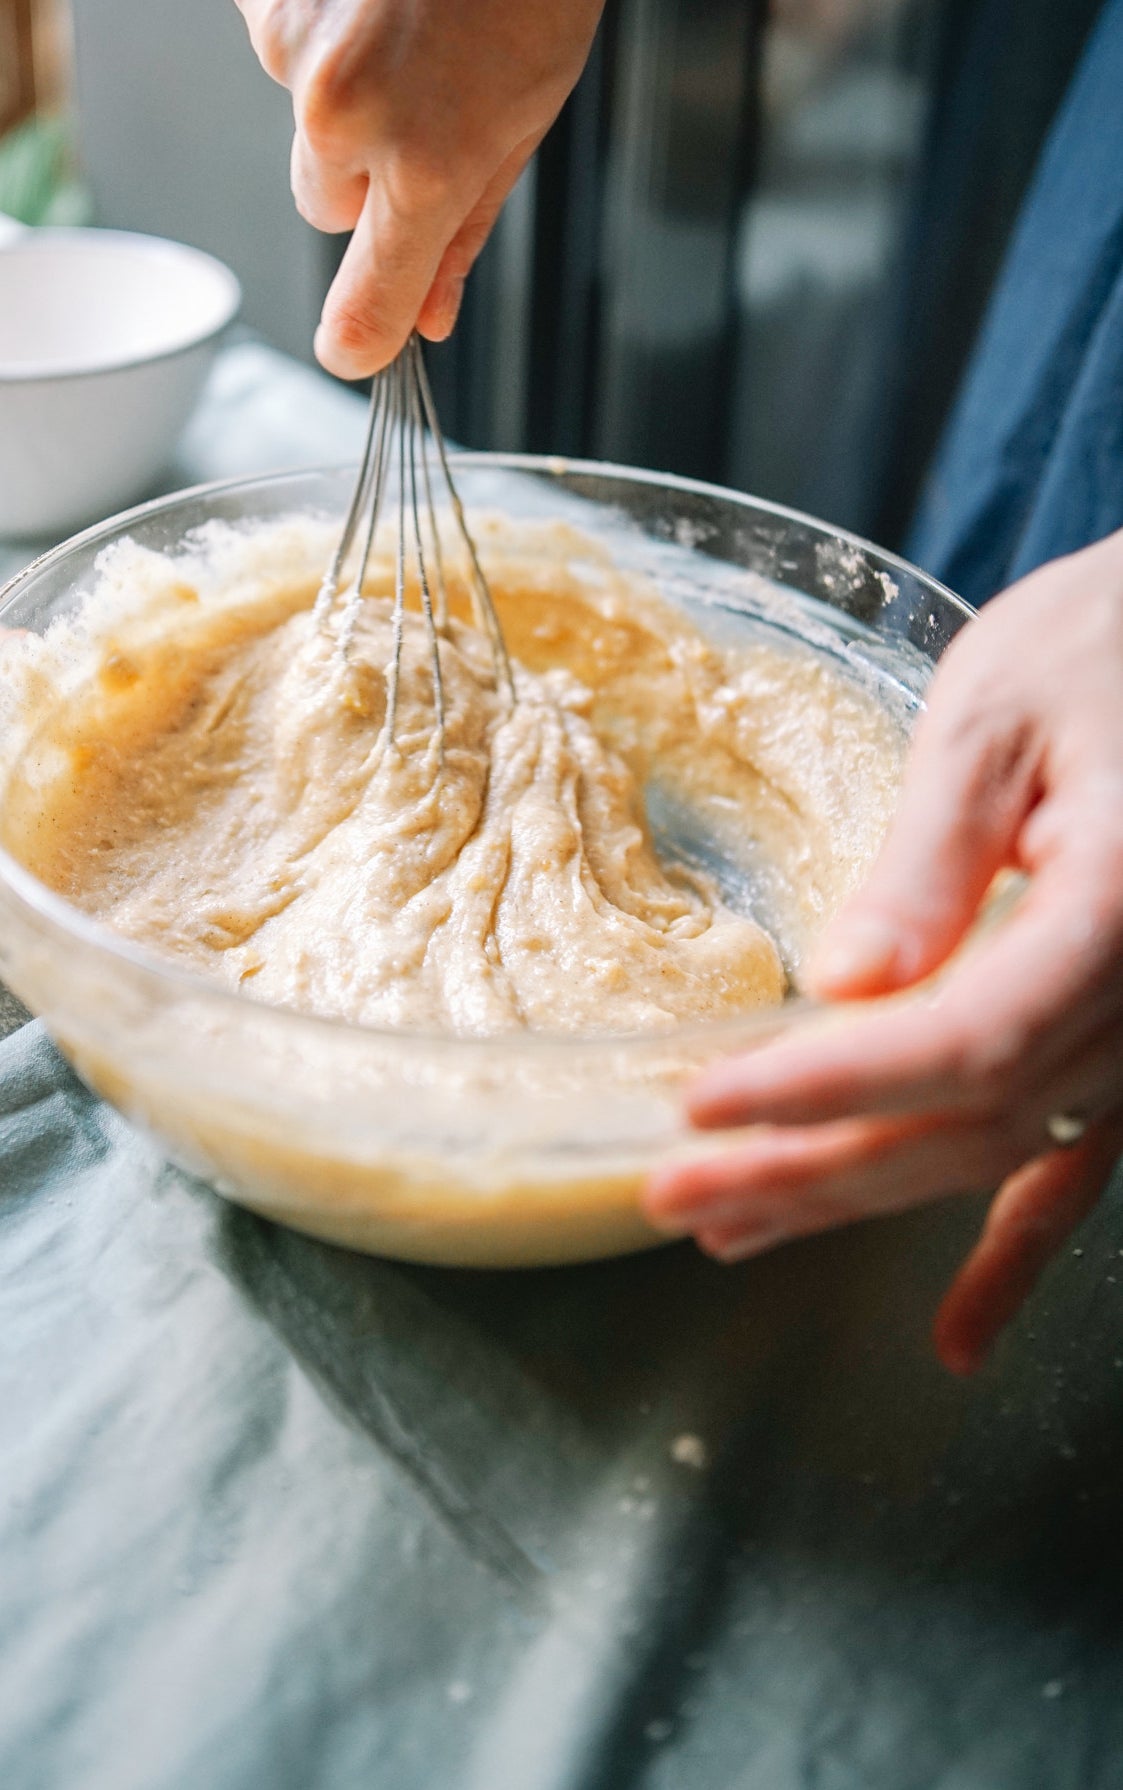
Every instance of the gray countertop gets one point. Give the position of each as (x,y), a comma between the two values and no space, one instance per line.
(275,1514)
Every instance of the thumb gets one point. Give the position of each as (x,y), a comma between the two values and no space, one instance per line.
(966,793)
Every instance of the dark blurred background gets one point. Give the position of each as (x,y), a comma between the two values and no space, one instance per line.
(755,249)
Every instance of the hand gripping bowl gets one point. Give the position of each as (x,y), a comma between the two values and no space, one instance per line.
(483,1151)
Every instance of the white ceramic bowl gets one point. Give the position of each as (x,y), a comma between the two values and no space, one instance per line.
(105,339)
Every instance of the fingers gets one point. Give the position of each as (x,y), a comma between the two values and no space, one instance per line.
(1035,1212)
(406,265)
(442,304)
(777,1189)
(788,1183)
(855,1062)
(971,781)
(1032,1215)
(1030,999)
(389,267)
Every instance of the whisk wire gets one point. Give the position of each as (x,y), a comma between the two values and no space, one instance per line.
(384,409)
(379,432)
(441,605)
(401,411)
(417,435)
(329,589)
(482,601)
(394,674)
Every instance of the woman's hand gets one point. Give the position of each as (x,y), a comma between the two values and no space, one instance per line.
(1018,762)
(414,119)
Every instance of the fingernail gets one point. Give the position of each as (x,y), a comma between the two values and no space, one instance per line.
(864,948)
(671,1204)
(663,1210)
(749,1243)
(963,1362)
(448,308)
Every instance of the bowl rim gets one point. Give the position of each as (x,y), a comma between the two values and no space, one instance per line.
(48,905)
(42,373)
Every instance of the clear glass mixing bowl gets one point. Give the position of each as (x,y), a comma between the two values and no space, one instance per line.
(483,1151)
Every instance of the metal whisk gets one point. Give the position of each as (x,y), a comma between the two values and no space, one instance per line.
(402,430)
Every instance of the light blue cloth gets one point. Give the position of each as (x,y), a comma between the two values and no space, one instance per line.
(1032,461)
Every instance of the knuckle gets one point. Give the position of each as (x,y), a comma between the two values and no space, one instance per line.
(310,205)
(415,181)
(996,741)
(326,205)
(326,128)
(330,101)
(272,47)
(271,35)
(969,1064)
(991,755)
(992,1065)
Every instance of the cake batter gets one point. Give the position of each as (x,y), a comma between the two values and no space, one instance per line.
(223,792)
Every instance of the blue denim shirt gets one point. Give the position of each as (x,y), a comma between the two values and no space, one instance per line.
(1031,465)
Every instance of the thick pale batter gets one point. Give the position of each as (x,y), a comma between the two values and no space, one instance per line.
(211,777)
